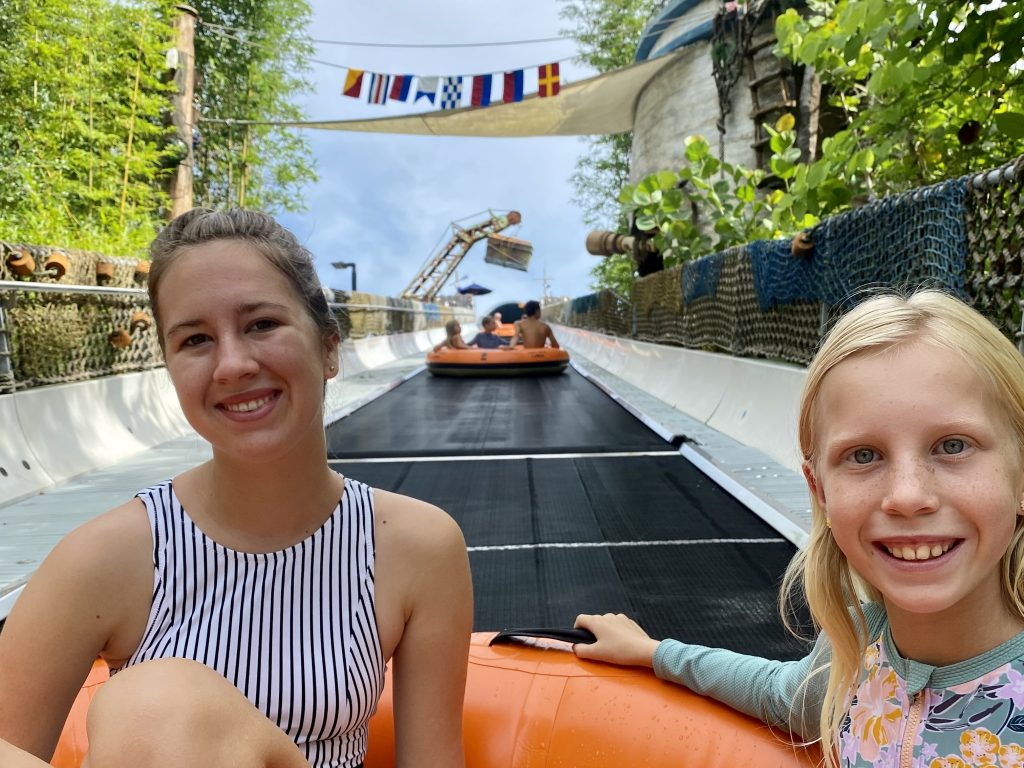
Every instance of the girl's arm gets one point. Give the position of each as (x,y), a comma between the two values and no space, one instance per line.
(781,693)
(772,691)
(77,605)
(431,658)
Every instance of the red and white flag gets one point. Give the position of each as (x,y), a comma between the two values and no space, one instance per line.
(378,88)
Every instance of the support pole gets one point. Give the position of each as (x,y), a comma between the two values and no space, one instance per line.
(180,186)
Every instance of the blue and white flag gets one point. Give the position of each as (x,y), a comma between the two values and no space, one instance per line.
(451,92)
(427,88)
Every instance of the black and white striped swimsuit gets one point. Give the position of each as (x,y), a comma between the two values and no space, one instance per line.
(294,630)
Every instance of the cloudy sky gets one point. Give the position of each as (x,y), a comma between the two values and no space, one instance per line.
(387,202)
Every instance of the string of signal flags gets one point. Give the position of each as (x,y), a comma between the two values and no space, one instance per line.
(447,92)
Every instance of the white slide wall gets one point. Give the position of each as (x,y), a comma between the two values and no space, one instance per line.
(752,401)
(51,434)
(65,430)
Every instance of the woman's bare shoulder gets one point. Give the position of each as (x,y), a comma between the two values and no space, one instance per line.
(410,522)
(120,530)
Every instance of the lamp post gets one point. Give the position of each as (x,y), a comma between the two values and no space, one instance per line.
(347,265)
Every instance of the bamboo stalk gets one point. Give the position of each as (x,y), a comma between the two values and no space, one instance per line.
(131,131)
(244,174)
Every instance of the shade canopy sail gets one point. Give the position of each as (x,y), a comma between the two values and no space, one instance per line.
(603,104)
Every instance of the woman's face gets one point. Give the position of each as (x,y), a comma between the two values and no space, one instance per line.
(246,359)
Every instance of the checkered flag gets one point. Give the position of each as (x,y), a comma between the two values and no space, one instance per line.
(451,92)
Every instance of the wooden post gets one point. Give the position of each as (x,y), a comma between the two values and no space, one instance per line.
(180,186)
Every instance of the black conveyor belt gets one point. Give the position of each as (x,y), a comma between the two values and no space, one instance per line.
(433,416)
(703,582)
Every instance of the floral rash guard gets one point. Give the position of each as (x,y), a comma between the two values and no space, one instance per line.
(904,714)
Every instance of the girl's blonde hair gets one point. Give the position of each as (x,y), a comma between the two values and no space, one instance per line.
(820,573)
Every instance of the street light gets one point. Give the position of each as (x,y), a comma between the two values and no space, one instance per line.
(347,265)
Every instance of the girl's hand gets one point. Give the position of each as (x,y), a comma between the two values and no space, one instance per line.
(620,640)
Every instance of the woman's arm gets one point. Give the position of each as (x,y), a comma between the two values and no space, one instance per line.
(431,658)
(12,757)
(76,606)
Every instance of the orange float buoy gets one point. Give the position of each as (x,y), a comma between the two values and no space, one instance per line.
(141,271)
(538,706)
(140,320)
(57,263)
(120,339)
(802,246)
(517,361)
(104,272)
(21,263)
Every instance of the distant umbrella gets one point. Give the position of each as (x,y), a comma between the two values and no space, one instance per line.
(473,289)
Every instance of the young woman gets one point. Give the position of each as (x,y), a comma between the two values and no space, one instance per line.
(250,605)
(912,433)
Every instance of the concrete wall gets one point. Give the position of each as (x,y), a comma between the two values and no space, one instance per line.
(682,100)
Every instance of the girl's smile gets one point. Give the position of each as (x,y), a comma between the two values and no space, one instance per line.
(918,552)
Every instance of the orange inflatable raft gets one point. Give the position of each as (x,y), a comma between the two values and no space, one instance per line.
(538,706)
(518,361)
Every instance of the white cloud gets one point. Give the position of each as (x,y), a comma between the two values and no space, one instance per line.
(386,202)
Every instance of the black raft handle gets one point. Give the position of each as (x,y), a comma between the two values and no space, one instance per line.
(554,633)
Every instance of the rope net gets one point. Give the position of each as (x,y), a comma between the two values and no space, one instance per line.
(53,335)
(964,236)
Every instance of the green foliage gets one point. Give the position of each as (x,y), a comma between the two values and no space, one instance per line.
(249,54)
(603,167)
(86,147)
(607,32)
(81,131)
(706,206)
(931,90)
(614,272)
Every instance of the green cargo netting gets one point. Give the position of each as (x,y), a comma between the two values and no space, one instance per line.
(965,236)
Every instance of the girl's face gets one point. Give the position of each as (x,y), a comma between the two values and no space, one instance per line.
(920,476)
(246,359)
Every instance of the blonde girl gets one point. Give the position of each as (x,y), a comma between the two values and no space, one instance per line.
(452,337)
(912,434)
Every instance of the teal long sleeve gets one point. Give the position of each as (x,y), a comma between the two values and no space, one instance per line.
(772,691)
